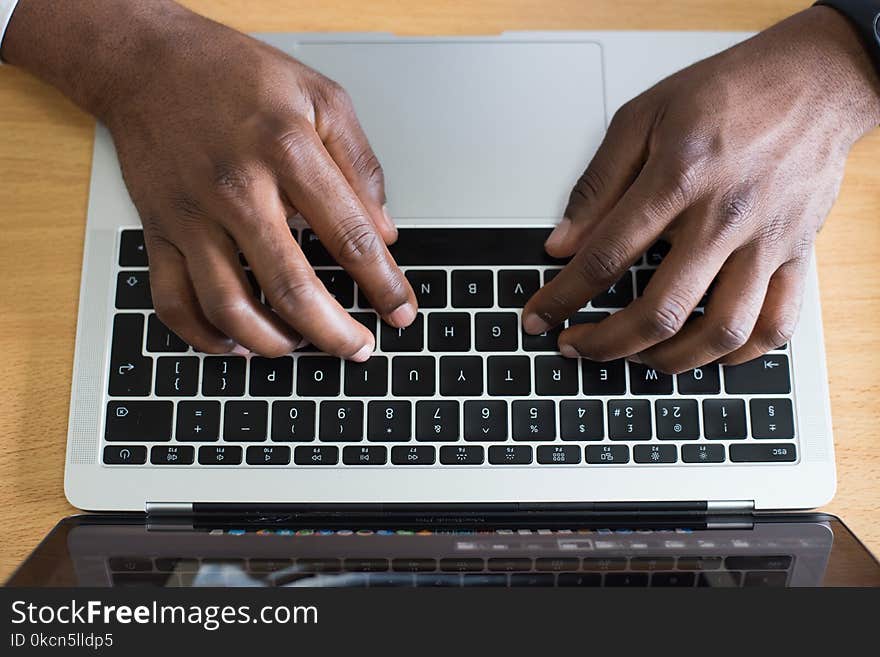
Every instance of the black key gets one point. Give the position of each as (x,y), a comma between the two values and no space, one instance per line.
(314,251)
(410,338)
(762,452)
(338,284)
(629,419)
(677,419)
(177,377)
(197,421)
(771,418)
(461,455)
(472,246)
(485,420)
(516,286)
(556,376)
(700,381)
(162,338)
(317,376)
(758,562)
(323,455)
(413,455)
(510,454)
(509,564)
(592,317)
(449,332)
(579,579)
(645,380)
(172,455)
(603,378)
(413,565)
(223,376)
(245,421)
(657,252)
(412,376)
(724,418)
(364,455)
(655,454)
(766,375)
(719,579)
(271,377)
(765,579)
(559,454)
(367,379)
(673,579)
(220,455)
(461,376)
(508,376)
(130,372)
(368,319)
(496,331)
(618,295)
(547,341)
(610,454)
(254,283)
(605,563)
(643,277)
(429,286)
(533,420)
(437,421)
(550,274)
(138,421)
(472,289)
(581,420)
(125,454)
(341,421)
(652,562)
(699,563)
(626,579)
(133,290)
(293,421)
(702,453)
(389,421)
(132,250)
(268,455)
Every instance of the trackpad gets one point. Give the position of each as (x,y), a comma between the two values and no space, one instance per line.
(470,129)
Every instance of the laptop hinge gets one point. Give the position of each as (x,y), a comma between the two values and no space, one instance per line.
(169,508)
(730,506)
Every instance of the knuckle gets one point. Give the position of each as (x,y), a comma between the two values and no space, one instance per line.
(230,181)
(287,148)
(357,241)
(665,319)
(228,311)
(602,262)
(589,187)
(626,114)
(186,208)
(291,291)
(778,330)
(367,165)
(393,292)
(737,207)
(729,335)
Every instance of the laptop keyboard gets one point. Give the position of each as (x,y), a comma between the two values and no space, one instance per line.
(462,386)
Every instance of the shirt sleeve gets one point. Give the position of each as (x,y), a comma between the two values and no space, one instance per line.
(6,9)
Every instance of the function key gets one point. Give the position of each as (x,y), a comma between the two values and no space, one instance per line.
(172,455)
(125,454)
(472,288)
(271,377)
(429,286)
(293,421)
(197,421)
(132,250)
(223,376)
(645,380)
(413,455)
(767,452)
(510,455)
(677,419)
(603,378)
(219,455)
(559,454)
(177,377)
(364,455)
(581,419)
(162,338)
(724,418)
(516,286)
(618,295)
(138,421)
(317,455)
(449,332)
(408,338)
(268,455)
(317,376)
(367,379)
(339,284)
(700,381)
(771,418)
(762,376)
(702,453)
(607,454)
(133,290)
(534,419)
(437,421)
(629,419)
(655,454)
(245,421)
(461,455)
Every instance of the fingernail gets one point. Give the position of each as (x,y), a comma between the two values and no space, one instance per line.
(402,315)
(388,220)
(534,324)
(302,344)
(239,350)
(568,351)
(557,237)
(362,355)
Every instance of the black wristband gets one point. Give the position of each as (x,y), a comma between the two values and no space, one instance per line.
(865,17)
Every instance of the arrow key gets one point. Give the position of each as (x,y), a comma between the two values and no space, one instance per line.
(133,290)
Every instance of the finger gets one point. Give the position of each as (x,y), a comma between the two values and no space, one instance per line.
(635,223)
(175,300)
(226,296)
(779,314)
(673,292)
(730,317)
(314,183)
(610,173)
(346,142)
(254,214)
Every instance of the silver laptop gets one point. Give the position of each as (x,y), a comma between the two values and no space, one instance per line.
(481,140)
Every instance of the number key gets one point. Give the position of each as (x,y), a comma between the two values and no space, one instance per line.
(677,419)
(388,421)
(629,419)
(341,421)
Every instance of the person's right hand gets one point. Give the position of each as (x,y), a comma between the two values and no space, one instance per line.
(220,139)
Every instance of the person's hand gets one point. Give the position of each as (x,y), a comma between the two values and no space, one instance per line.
(220,139)
(736,162)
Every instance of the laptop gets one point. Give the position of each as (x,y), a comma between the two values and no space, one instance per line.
(460,415)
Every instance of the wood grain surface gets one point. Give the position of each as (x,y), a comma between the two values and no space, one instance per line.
(45,148)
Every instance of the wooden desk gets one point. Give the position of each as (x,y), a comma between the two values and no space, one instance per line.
(45,147)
